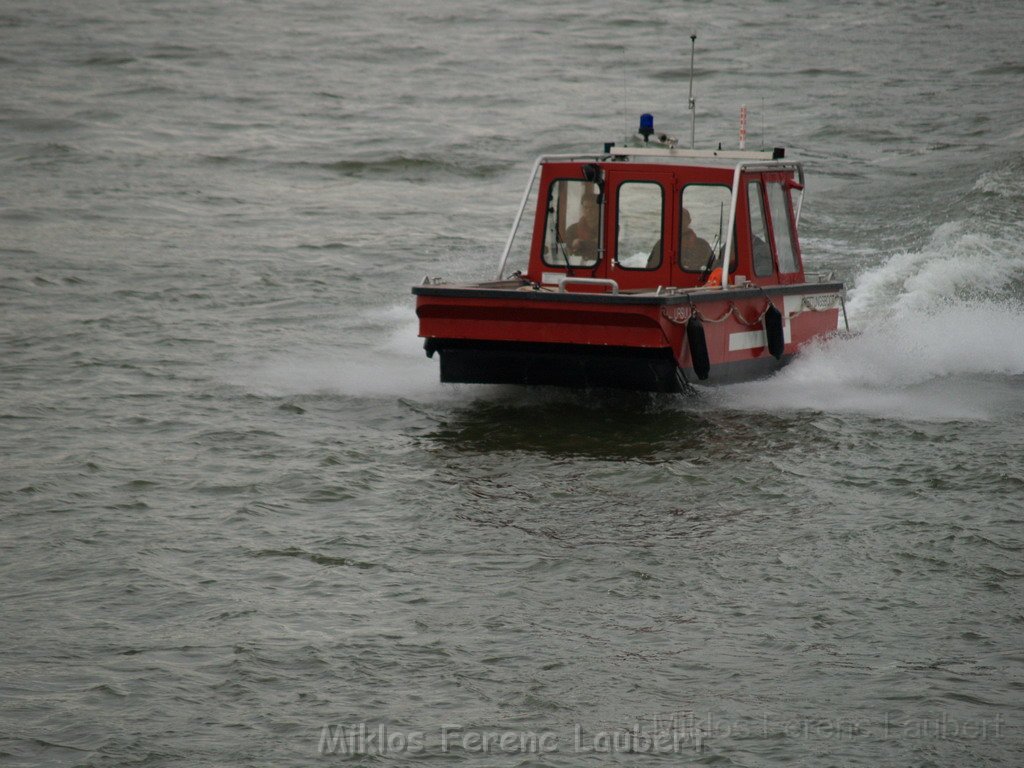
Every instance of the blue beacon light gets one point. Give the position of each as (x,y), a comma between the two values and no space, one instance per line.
(646,126)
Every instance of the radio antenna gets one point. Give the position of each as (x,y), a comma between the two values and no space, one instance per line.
(625,98)
(692,103)
(762,123)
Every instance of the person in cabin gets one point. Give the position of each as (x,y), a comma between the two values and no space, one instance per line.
(695,253)
(581,237)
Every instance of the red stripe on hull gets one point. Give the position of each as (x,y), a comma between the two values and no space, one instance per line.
(618,324)
(552,323)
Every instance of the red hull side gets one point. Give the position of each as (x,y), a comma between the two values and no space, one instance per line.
(581,327)
(555,323)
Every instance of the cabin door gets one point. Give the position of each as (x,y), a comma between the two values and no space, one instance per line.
(701,208)
(782,224)
(640,220)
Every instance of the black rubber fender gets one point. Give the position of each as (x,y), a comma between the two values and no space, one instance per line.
(773,332)
(698,347)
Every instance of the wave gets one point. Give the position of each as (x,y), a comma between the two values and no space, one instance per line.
(412,167)
(846,132)
(828,72)
(1004,182)
(108,60)
(924,365)
(956,264)
(930,326)
(397,367)
(1008,68)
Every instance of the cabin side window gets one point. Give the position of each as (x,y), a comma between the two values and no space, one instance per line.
(778,205)
(761,251)
(703,219)
(573,227)
(640,211)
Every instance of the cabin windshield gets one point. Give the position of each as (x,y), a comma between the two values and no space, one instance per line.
(703,219)
(639,225)
(573,227)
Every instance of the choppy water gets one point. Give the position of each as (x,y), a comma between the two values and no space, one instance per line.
(237,507)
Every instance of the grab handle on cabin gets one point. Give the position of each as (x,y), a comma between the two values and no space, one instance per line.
(587,281)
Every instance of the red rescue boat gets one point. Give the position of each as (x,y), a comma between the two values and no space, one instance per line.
(649,268)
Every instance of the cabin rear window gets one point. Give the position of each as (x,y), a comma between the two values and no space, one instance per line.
(639,225)
(703,219)
(778,205)
(572,232)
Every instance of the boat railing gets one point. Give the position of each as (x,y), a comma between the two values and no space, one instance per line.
(526,198)
(685,155)
(820,277)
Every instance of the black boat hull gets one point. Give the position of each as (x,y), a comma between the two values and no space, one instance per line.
(470,361)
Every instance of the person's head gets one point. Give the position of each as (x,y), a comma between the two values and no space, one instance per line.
(686,219)
(588,205)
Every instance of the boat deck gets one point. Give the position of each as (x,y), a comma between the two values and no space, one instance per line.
(661,295)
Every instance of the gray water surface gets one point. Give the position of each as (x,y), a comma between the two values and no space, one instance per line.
(237,508)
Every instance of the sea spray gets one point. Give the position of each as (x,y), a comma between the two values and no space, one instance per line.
(923,322)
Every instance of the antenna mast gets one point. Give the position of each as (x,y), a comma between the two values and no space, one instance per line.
(692,103)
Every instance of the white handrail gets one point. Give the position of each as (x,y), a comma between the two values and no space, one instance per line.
(519,218)
(799,200)
(587,281)
(522,205)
